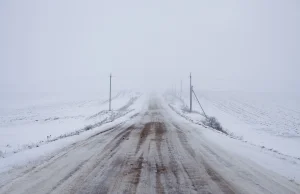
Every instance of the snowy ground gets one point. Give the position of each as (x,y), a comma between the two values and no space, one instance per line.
(266,125)
(152,151)
(36,124)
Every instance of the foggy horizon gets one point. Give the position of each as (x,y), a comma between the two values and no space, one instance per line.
(65,128)
(68,46)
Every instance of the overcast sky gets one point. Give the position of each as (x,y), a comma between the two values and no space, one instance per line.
(73,45)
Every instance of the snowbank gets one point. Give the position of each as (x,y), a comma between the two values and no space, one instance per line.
(267,120)
(126,107)
(36,125)
(284,163)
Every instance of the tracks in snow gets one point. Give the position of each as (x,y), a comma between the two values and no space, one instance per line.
(152,155)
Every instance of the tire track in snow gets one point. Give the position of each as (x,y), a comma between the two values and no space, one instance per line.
(150,156)
(223,185)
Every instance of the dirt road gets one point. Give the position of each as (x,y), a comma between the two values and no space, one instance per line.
(152,153)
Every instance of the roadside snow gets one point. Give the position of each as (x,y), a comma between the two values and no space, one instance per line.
(274,149)
(99,123)
(33,126)
(270,121)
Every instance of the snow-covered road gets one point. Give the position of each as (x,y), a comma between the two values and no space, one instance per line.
(154,152)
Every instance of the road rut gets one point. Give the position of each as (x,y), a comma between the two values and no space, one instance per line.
(153,154)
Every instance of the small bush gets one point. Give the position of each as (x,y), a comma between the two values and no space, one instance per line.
(214,123)
(89,127)
(185,108)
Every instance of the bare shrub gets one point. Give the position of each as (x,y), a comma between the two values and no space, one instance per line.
(214,123)
(88,127)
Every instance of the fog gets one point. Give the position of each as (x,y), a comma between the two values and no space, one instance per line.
(62,46)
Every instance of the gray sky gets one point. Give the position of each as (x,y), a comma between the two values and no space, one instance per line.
(73,45)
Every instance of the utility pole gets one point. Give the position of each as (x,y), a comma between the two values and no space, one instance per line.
(110,92)
(191,93)
(181,89)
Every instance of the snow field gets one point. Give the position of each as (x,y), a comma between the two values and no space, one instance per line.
(272,149)
(30,127)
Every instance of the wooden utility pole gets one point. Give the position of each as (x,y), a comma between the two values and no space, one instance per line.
(191,93)
(181,89)
(110,92)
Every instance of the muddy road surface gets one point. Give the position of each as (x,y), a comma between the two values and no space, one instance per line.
(152,153)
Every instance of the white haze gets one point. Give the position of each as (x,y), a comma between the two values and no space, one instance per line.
(67,46)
